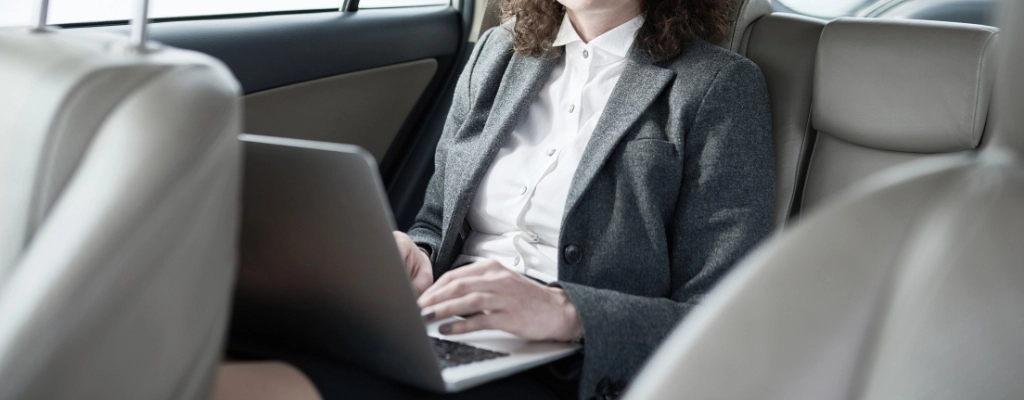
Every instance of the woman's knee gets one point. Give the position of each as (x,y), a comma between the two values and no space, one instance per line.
(262,380)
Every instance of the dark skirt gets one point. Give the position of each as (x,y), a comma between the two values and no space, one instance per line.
(338,380)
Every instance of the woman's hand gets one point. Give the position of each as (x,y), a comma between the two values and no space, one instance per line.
(417,263)
(496,298)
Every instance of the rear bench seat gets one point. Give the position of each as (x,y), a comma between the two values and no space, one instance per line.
(784,47)
(883,94)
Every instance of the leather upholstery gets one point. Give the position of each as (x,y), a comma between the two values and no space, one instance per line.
(1009,97)
(906,287)
(891,91)
(117,224)
(837,165)
(784,47)
(744,13)
(917,86)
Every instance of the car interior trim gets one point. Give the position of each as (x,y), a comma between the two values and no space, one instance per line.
(366,108)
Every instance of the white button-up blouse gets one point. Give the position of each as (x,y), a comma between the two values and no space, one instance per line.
(516,215)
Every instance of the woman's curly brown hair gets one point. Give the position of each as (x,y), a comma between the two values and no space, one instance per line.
(668,24)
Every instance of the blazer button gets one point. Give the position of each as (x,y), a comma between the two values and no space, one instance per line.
(573,254)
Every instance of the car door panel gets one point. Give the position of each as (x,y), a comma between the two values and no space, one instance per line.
(377,78)
(364,107)
(342,77)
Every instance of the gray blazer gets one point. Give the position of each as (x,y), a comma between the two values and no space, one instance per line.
(675,185)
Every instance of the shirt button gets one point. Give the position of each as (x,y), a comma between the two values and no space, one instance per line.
(515,262)
(522,190)
(551,152)
(586,53)
(571,108)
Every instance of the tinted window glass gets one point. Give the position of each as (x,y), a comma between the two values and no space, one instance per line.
(18,12)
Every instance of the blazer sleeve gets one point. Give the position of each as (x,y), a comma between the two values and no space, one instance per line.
(724,210)
(426,230)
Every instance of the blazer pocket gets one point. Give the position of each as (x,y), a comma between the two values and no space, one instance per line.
(641,143)
(652,151)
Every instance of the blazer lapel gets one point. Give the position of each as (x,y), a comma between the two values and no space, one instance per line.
(640,83)
(521,83)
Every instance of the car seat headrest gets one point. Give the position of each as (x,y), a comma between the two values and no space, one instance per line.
(909,86)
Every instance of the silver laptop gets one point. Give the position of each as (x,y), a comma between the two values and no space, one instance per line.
(320,273)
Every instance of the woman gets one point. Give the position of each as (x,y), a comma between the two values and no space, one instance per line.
(602,166)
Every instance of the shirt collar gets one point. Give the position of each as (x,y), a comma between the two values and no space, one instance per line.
(617,41)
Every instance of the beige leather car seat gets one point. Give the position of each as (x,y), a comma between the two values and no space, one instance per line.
(119,174)
(744,13)
(863,81)
(907,286)
(888,93)
(784,46)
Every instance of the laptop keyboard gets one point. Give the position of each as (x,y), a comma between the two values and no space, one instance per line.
(451,354)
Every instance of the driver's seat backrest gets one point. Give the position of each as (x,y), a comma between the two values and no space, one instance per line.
(119,170)
(886,93)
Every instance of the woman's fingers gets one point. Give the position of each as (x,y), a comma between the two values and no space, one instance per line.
(476,323)
(475,269)
(403,241)
(494,297)
(423,278)
(407,249)
(470,304)
(417,263)
(441,292)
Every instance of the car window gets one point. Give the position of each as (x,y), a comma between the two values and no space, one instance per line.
(18,12)
(824,8)
(964,11)
(400,3)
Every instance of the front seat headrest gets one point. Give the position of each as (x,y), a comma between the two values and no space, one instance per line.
(884,85)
